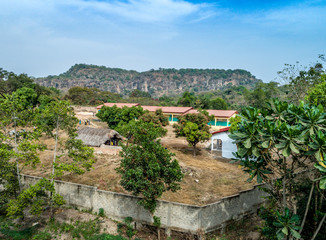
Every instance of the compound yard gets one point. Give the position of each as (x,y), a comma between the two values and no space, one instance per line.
(207,178)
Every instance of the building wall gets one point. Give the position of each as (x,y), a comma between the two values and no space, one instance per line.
(175,216)
(228,147)
(173,118)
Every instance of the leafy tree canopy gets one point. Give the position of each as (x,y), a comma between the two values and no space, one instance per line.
(114,116)
(137,93)
(194,127)
(280,141)
(147,168)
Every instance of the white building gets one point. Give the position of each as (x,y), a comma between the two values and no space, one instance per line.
(220,141)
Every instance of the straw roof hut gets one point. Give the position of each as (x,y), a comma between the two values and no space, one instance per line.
(97,136)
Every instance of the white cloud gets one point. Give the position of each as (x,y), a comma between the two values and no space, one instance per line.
(145,10)
(135,10)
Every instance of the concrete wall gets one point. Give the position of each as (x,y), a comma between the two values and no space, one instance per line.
(176,216)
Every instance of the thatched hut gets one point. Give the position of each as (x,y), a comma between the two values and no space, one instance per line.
(95,137)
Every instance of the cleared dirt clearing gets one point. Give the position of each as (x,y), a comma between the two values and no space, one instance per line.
(207,177)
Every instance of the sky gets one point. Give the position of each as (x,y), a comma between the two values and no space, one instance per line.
(47,37)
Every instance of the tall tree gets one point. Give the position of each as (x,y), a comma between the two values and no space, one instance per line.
(300,80)
(218,103)
(147,168)
(114,115)
(194,127)
(187,100)
(56,117)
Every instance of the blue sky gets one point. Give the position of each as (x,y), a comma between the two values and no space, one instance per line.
(46,37)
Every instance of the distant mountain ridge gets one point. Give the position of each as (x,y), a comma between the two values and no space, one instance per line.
(156,82)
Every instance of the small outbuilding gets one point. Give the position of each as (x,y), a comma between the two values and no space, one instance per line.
(96,137)
(221,141)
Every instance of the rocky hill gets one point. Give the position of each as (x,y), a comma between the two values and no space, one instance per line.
(156,82)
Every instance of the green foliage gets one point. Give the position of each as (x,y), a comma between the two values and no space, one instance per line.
(146,167)
(287,224)
(14,232)
(187,100)
(194,127)
(194,135)
(8,177)
(282,139)
(126,228)
(137,93)
(26,96)
(90,96)
(78,158)
(10,82)
(101,212)
(218,103)
(261,93)
(268,229)
(157,118)
(17,147)
(317,94)
(234,123)
(157,221)
(57,115)
(114,116)
(35,197)
(44,235)
(301,80)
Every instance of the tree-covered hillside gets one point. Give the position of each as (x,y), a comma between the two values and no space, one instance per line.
(156,82)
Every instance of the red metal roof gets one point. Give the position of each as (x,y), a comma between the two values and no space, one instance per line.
(216,113)
(192,111)
(180,110)
(119,105)
(221,130)
(222,113)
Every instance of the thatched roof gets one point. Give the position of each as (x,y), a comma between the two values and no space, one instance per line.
(97,136)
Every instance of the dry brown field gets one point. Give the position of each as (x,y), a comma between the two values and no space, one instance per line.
(207,177)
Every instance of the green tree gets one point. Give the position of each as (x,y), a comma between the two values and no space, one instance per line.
(300,80)
(194,135)
(261,93)
(157,117)
(90,96)
(317,94)
(19,149)
(147,168)
(114,116)
(137,93)
(27,96)
(218,103)
(187,100)
(194,127)
(15,113)
(283,140)
(71,155)
(59,115)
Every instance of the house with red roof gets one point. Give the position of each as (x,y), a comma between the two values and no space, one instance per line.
(171,112)
(221,142)
(221,117)
(119,105)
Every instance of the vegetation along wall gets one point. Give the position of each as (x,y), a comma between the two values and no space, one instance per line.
(175,216)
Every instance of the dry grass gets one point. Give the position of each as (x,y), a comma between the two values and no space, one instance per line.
(207,178)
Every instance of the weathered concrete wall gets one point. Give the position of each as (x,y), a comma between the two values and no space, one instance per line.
(173,215)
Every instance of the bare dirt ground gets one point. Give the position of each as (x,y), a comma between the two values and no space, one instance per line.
(207,178)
